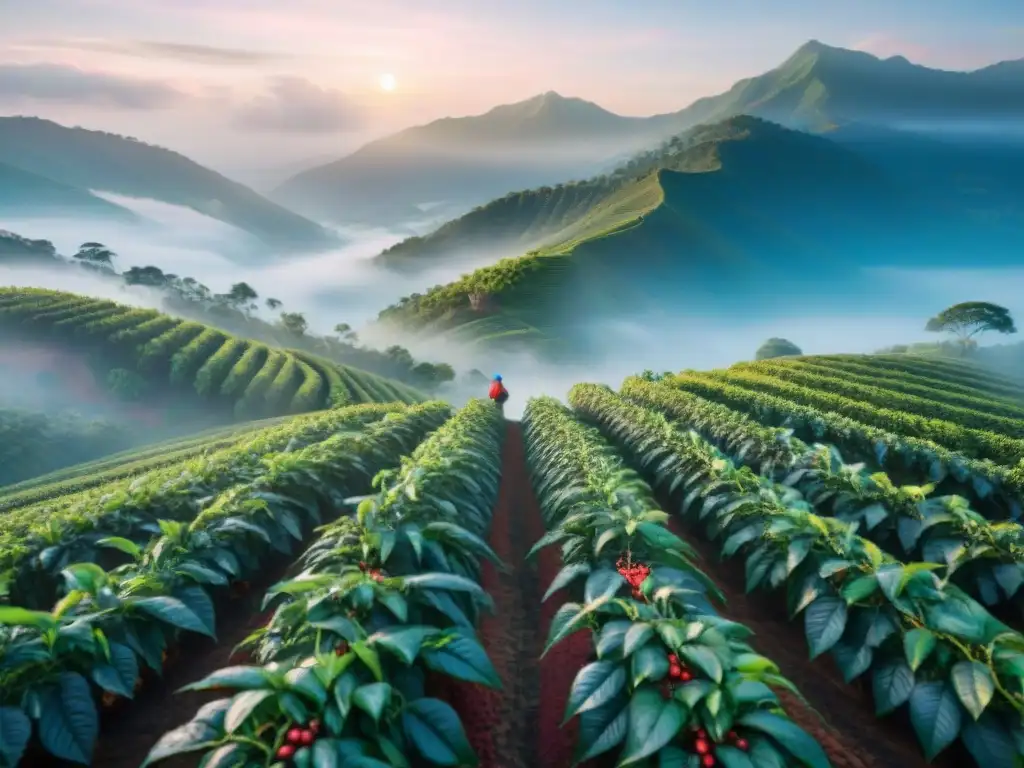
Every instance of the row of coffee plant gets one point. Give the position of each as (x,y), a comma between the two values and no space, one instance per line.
(985,558)
(926,644)
(110,625)
(672,682)
(382,604)
(891,448)
(38,541)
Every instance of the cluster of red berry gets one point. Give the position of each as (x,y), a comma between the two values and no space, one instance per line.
(704,746)
(298,737)
(677,670)
(373,573)
(635,574)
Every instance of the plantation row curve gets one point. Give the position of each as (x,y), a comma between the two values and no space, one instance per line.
(249,378)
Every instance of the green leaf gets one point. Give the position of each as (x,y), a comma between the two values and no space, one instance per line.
(565,577)
(935,715)
(190,737)
(242,705)
(446,581)
(692,692)
(326,754)
(69,723)
(730,757)
(892,684)
(704,659)
(372,699)
(653,723)
(119,676)
(370,658)
(973,683)
(917,645)
(789,736)
(403,642)
(601,729)
(636,636)
(304,680)
(241,677)
(225,756)
(595,684)
(603,583)
(15,731)
(649,663)
(434,729)
(990,744)
(172,611)
(824,623)
(127,546)
(21,617)
(464,659)
(859,588)
(568,619)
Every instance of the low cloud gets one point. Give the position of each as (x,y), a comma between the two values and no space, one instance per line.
(63,83)
(295,105)
(155,49)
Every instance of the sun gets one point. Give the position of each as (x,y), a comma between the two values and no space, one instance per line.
(388,82)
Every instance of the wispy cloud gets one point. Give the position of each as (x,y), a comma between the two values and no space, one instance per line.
(68,84)
(155,49)
(295,105)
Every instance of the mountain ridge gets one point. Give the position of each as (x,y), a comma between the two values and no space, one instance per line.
(817,88)
(96,160)
(717,233)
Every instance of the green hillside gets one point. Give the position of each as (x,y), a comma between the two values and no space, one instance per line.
(28,194)
(144,350)
(70,159)
(706,212)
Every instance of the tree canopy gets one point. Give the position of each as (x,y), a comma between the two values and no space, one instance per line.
(776,347)
(970,318)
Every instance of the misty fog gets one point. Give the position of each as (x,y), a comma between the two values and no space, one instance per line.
(345,286)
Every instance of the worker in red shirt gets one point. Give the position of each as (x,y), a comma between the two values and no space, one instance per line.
(498,393)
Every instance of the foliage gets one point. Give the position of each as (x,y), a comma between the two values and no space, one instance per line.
(383,598)
(776,347)
(37,541)
(985,558)
(926,644)
(971,318)
(673,681)
(33,443)
(126,385)
(109,625)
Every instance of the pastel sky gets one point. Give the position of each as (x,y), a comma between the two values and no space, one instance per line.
(251,85)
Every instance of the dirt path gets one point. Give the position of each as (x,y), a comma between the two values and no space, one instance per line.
(502,725)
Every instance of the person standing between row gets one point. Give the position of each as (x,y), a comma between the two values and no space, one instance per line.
(498,393)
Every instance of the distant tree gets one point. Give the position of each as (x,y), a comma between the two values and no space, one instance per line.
(649,375)
(150,276)
(344,330)
(400,356)
(294,322)
(967,320)
(431,375)
(776,347)
(241,296)
(272,304)
(96,254)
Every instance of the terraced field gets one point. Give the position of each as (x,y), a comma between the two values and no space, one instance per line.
(251,379)
(675,574)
